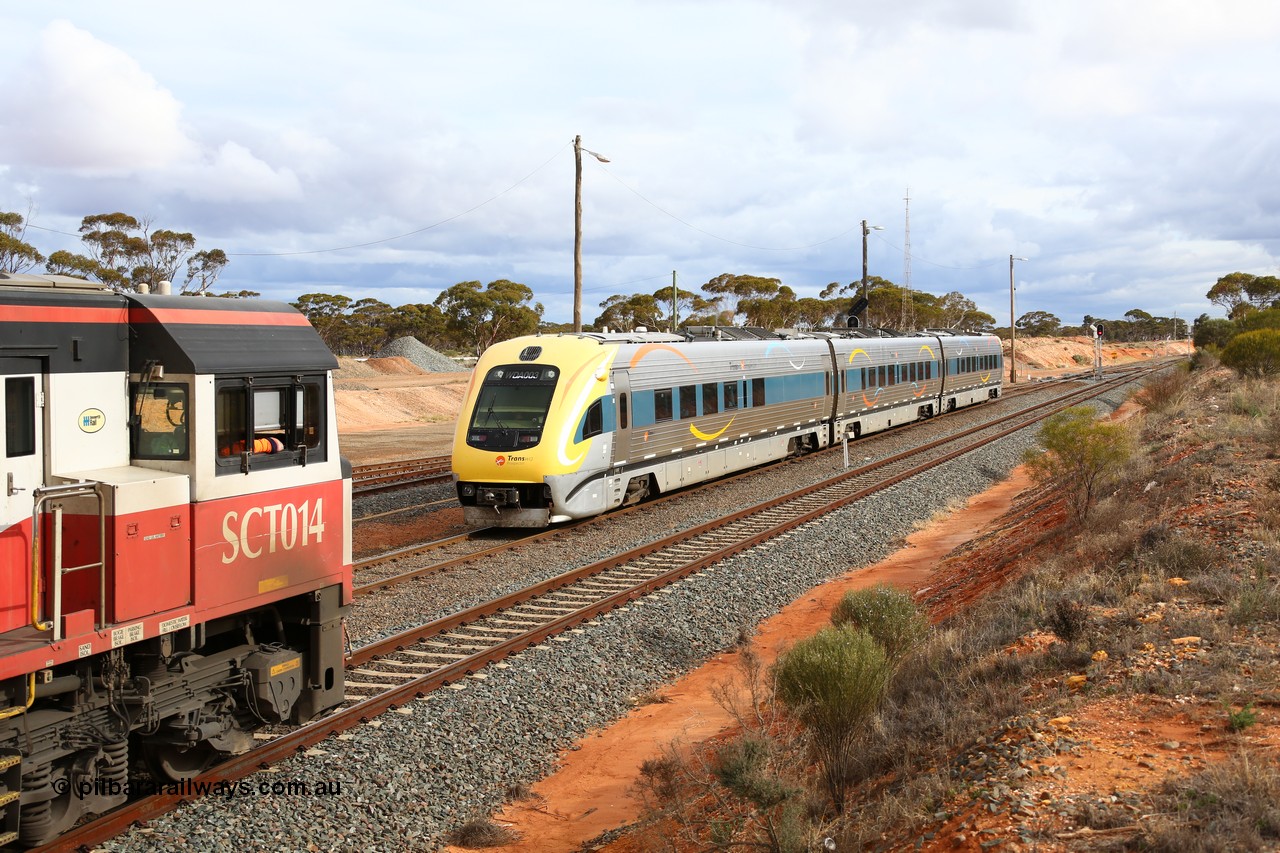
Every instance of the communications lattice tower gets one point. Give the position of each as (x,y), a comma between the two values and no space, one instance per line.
(908,317)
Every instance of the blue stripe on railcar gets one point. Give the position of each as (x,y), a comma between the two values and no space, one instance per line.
(642,408)
(801,386)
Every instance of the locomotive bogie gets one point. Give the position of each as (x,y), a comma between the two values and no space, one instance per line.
(621,417)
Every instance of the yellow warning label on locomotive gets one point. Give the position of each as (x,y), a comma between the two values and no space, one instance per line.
(271,584)
(286,666)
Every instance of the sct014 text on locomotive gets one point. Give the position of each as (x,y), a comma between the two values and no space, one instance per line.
(175,543)
(560,427)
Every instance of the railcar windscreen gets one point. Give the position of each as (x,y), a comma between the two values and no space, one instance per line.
(511,407)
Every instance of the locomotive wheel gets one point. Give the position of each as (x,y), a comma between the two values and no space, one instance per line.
(171,763)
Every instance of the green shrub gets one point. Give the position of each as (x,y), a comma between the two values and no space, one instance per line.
(1081,452)
(1240,720)
(887,614)
(1214,333)
(1266,319)
(1255,353)
(832,683)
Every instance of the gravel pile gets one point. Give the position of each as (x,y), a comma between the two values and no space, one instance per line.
(413,774)
(420,354)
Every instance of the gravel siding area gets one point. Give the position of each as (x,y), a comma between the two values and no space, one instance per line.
(412,774)
(422,355)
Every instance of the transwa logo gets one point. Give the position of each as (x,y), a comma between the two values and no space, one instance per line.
(500,461)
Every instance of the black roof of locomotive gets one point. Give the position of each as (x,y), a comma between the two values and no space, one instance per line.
(208,335)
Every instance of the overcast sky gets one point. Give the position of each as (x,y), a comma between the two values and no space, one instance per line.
(1129,149)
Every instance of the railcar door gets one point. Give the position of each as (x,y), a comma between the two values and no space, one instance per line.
(621,383)
(22,451)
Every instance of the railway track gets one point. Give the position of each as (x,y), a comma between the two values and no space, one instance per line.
(388,476)
(400,668)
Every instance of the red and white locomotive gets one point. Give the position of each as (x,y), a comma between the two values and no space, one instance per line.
(175,543)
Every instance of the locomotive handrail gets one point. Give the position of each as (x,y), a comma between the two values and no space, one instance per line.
(25,706)
(43,495)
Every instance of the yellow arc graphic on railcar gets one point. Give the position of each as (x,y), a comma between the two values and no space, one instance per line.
(645,350)
(710,436)
(868,403)
(584,392)
(924,388)
(649,349)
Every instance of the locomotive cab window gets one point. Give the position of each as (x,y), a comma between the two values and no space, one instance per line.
(598,419)
(158,425)
(20,417)
(269,423)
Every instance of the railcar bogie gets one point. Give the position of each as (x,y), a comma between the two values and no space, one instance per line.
(612,418)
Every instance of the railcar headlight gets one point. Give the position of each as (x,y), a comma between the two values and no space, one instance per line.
(468,490)
(550,373)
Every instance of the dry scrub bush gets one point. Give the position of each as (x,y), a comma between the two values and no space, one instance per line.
(742,792)
(1233,806)
(1257,598)
(1166,391)
(480,832)
(746,791)
(887,614)
(832,683)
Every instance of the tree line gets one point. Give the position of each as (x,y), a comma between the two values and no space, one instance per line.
(121,251)
(126,254)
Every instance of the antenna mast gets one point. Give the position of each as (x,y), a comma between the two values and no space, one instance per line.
(908,322)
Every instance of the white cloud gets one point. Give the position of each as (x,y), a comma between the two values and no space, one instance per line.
(234,174)
(81,105)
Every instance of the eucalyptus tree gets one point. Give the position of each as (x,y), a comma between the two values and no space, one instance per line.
(478,316)
(16,254)
(124,253)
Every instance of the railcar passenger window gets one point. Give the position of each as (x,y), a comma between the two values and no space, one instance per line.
(662,405)
(710,398)
(757,392)
(19,416)
(730,396)
(593,423)
(688,401)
